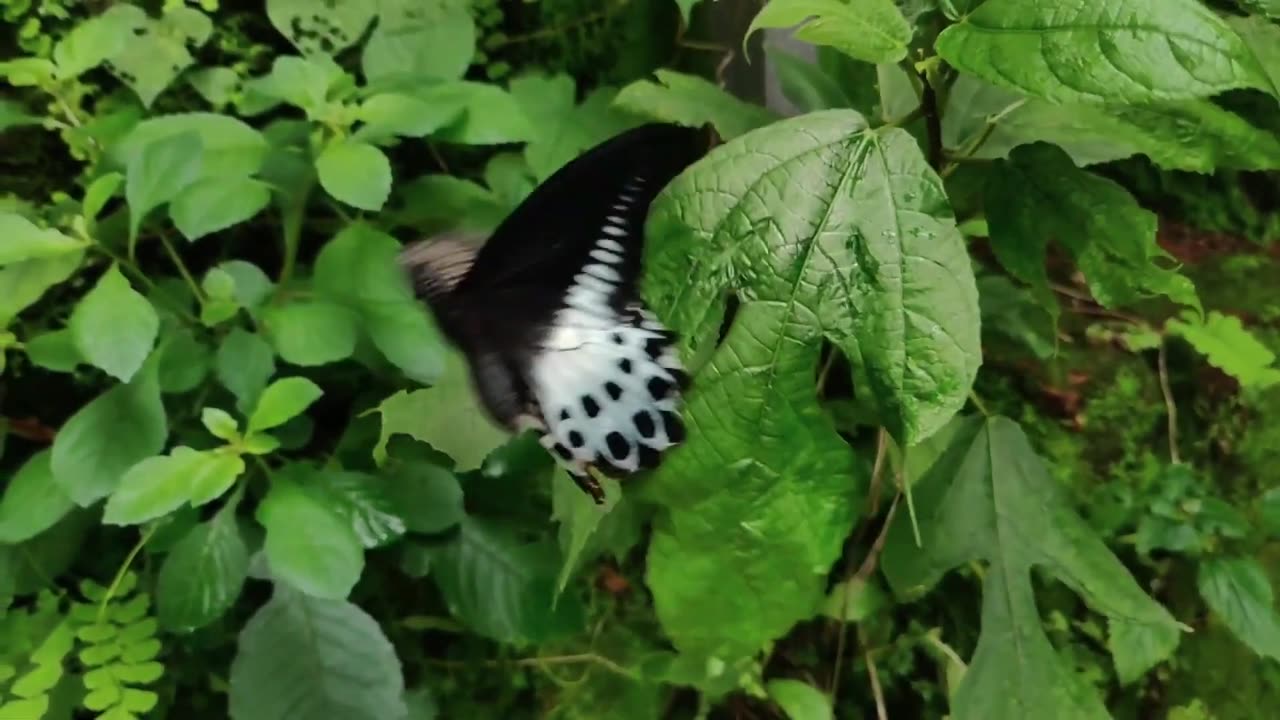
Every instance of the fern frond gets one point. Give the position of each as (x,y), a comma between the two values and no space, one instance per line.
(117,637)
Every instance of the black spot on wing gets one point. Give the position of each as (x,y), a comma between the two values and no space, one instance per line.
(590,406)
(613,389)
(674,427)
(625,365)
(576,439)
(658,387)
(649,458)
(619,448)
(644,424)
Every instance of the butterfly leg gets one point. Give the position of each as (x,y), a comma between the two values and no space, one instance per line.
(576,468)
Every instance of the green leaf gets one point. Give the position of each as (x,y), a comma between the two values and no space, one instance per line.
(1239,594)
(156,50)
(870,30)
(500,587)
(1263,40)
(153,488)
(305,657)
(389,114)
(686,7)
(579,516)
(1042,195)
(88,44)
(448,417)
(563,129)
(282,401)
(433,203)
(1100,50)
(55,350)
(13,114)
(244,364)
(356,173)
(99,192)
(220,424)
(420,40)
(184,361)
(214,476)
(989,498)
(1138,647)
(228,147)
(799,700)
(1269,511)
(217,85)
(202,576)
(25,241)
(1228,346)
(114,327)
(365,501)
(309,544)
(216,204)
(316,27)
(1195,135)
(693,101)
(426,496)
(492,116)
(32,501)
(111,434)
(806,84)
(161,170)
(310,333)
(874,264)
(358,268)
(22,284)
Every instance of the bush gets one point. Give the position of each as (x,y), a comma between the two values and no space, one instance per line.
(246,475)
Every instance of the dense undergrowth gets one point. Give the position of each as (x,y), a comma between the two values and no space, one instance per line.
(244,476)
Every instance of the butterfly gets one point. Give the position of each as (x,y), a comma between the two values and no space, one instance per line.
(548,314)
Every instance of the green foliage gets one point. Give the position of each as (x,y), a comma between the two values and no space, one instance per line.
(215,382)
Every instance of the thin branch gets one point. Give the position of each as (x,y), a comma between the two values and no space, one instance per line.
(182,267)
(1170,408)
(864,571)
(882,712)
(549,660)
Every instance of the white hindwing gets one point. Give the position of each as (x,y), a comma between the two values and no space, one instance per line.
(607,383)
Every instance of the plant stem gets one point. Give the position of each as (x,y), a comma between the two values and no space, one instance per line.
(124,568)
(1171,409)
(932,120)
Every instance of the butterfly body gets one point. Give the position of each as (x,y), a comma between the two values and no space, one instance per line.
(548,313)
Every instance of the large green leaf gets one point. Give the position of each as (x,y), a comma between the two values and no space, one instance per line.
(161,169)
(501,587)
(990,498)
(108,436)
(358,269)
(23,283)
(491,115)
(282,401)
(1138,647)
(1130,51)
(825,230)
(203,573)
(155,51)
(691,100)
(155,487)
(1039,195)
(216,204)
(304,657)
(310,544)
(579,516)
(563,129)
(870,30)
(230,146)
(1239,593)
(114,327)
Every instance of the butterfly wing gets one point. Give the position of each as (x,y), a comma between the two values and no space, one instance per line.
(551,300)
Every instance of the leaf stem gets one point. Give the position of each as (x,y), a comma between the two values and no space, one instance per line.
(977,402)
(124,568)
(182,267)
(291,238)
(933,121)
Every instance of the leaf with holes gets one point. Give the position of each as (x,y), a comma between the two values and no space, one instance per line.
(304,657)
(827,230)
(989,498)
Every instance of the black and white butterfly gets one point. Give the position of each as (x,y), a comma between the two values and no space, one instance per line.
(548,313)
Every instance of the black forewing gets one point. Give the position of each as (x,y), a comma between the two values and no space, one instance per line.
(532,257)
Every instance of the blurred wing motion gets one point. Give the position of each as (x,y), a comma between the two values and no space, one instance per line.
(548,313)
